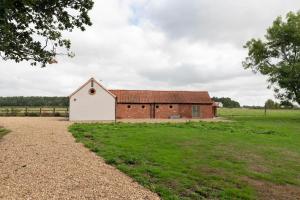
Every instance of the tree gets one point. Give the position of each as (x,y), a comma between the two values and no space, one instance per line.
(278,57)
(227,102)
(287,104)
(31,30)
(270,104)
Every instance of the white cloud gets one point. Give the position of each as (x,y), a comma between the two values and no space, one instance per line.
(139,44)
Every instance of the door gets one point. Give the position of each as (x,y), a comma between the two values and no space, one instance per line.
(195,111)
(152,111)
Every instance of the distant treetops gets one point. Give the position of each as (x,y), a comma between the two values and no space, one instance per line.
(35,101)
(227,102)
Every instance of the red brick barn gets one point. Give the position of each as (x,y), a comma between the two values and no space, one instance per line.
(94,102)
(138,104)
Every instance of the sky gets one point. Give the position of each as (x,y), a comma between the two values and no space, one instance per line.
(159,45)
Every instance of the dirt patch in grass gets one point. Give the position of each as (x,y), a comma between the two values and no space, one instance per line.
(267,190)
(259,168)
(290,154)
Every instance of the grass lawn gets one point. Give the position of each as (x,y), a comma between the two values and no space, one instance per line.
(252,157)
(3,132)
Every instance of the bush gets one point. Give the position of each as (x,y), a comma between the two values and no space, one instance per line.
(57,114)
(33,114)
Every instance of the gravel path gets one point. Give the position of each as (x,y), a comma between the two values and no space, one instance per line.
(39,159)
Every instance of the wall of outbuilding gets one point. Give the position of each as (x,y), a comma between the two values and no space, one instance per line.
(92,107)
(164,111)
(136,111)
(160,111)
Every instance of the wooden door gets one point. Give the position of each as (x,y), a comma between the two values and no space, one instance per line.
(152,111)
(195,111)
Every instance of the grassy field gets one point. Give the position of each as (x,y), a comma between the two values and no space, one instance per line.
(253,157)
(3,131)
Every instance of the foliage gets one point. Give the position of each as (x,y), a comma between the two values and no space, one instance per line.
(227,102)
(201,160)
(278,57)
(3,132)
(32,29)
(287,104)
(270,104)
(256,112)
(35,101)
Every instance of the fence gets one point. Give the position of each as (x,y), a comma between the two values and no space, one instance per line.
(34,111)
(251,112)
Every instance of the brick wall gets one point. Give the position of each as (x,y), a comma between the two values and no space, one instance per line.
(206,111)
(136,111)
(163,111)
(185,111)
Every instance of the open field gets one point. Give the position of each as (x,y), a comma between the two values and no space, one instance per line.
(3,131)
(253,157)
(245,112)
(34,111)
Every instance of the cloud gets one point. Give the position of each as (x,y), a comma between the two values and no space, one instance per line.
(215,21)
(142,44)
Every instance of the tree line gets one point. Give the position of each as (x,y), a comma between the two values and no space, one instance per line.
(270,104)
(35,101)
(227,102)
(39,101)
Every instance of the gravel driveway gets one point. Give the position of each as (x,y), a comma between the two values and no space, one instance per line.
(39,159)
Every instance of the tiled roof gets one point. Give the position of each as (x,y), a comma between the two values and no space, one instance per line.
(152,96)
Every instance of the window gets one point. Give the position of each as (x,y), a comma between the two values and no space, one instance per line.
(92,83)
(143,106)
(128,106)
(92,91)
(171,106)
(157,106)
(75,99)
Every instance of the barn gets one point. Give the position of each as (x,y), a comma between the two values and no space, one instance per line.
(94,102)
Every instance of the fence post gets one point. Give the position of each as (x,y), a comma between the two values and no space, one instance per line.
(26,111)
(265,110)
(54,111)
(40,111)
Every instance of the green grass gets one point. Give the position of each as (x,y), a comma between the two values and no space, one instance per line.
(3,132)
(203,160)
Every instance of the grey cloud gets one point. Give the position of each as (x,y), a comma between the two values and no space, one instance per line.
(248,90)
(216,20)
(187,74)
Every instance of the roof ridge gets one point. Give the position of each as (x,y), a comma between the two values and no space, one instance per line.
(159,96)
(159,90)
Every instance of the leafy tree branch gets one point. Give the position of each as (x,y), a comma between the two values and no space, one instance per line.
(31,30)
(278,57)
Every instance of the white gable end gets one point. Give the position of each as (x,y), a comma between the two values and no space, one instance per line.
(92,102)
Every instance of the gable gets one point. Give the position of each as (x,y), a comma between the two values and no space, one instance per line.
(91,83)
